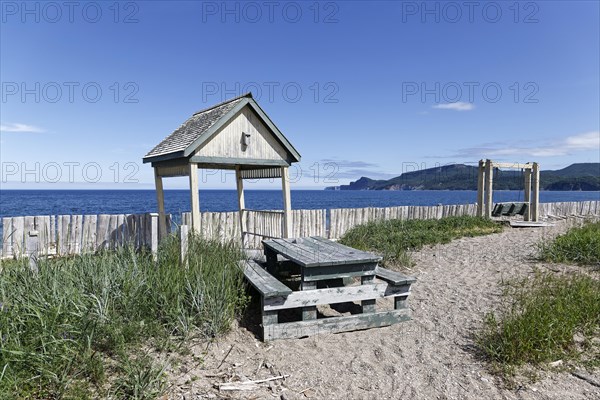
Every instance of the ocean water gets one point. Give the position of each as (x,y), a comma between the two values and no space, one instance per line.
(55,202)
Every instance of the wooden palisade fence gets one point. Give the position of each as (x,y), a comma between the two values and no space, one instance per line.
(76,234)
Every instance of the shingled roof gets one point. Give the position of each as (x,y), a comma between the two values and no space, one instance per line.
(202,124)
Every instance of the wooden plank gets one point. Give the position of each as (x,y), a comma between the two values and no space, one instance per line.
(75,234)
(264,282)
(7,236)
(102,232)
(320,273)
(183,234)
(121,227)
(335,295)
(111,232)
(394,277)
(18,235)
(64,222)
(299,329)
(89,233)
(42,226)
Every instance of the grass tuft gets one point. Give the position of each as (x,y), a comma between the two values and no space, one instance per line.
(395,239)
(540,321)
(75,326)
(578,245)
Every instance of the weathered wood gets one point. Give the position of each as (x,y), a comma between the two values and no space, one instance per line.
(299,329)
(266,284)
(488,188)
(287,202)
(7,236)
(335,295)
(194,197)
(393,277)
(89,233)
(241,204)
(102,234)
(317,252)
(325,272)
(309,312)
(535,199)
(368,305)
(183,235)
(160,199)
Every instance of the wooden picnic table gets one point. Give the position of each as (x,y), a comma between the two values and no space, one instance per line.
(320,259)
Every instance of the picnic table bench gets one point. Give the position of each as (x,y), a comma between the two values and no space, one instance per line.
(325,261)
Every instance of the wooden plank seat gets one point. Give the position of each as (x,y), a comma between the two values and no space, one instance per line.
(509,209)
(275,297)
(498,209)
(266,284)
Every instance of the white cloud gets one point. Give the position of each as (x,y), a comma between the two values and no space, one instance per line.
(20,128)
(584,141)
(559,147)
(458,106)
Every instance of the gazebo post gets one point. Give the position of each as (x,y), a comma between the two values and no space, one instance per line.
(287,202)
(241,203)
(160,199)
(194,196)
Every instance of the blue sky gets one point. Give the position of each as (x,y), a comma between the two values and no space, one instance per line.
(360,88)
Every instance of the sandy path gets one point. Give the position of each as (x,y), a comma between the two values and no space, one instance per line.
(430,357)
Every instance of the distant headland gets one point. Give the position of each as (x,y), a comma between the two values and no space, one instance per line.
(579,177)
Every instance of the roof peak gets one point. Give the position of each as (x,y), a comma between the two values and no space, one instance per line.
(249,95)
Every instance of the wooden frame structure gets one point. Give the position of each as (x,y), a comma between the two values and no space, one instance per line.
(233,135)
(485,181)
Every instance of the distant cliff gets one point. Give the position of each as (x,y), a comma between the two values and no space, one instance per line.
(582,176)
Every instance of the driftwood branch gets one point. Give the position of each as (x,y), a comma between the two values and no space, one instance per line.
(248,385)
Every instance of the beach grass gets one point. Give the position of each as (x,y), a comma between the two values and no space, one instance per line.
(86,326)
(543,319)
(551,316)
(395,239)
(579,245)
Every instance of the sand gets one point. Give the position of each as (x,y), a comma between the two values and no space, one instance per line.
(433,356)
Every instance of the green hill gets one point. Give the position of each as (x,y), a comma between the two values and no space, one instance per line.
(582,176)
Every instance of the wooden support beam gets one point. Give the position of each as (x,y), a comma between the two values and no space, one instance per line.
(512,165)
(480,191)
(241,204)
(299,329)
(194,197)
(368,306)
(287,202)
(310,312)
(160,199)
(535,200)
(527,194)
(489,181)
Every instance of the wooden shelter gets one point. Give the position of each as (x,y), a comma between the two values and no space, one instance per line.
(531,190)
(237,135)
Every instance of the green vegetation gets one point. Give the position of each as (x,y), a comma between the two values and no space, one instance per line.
(550,317)
(583,176)
(579,245)
(539,320)
(396,238)
(86,326)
